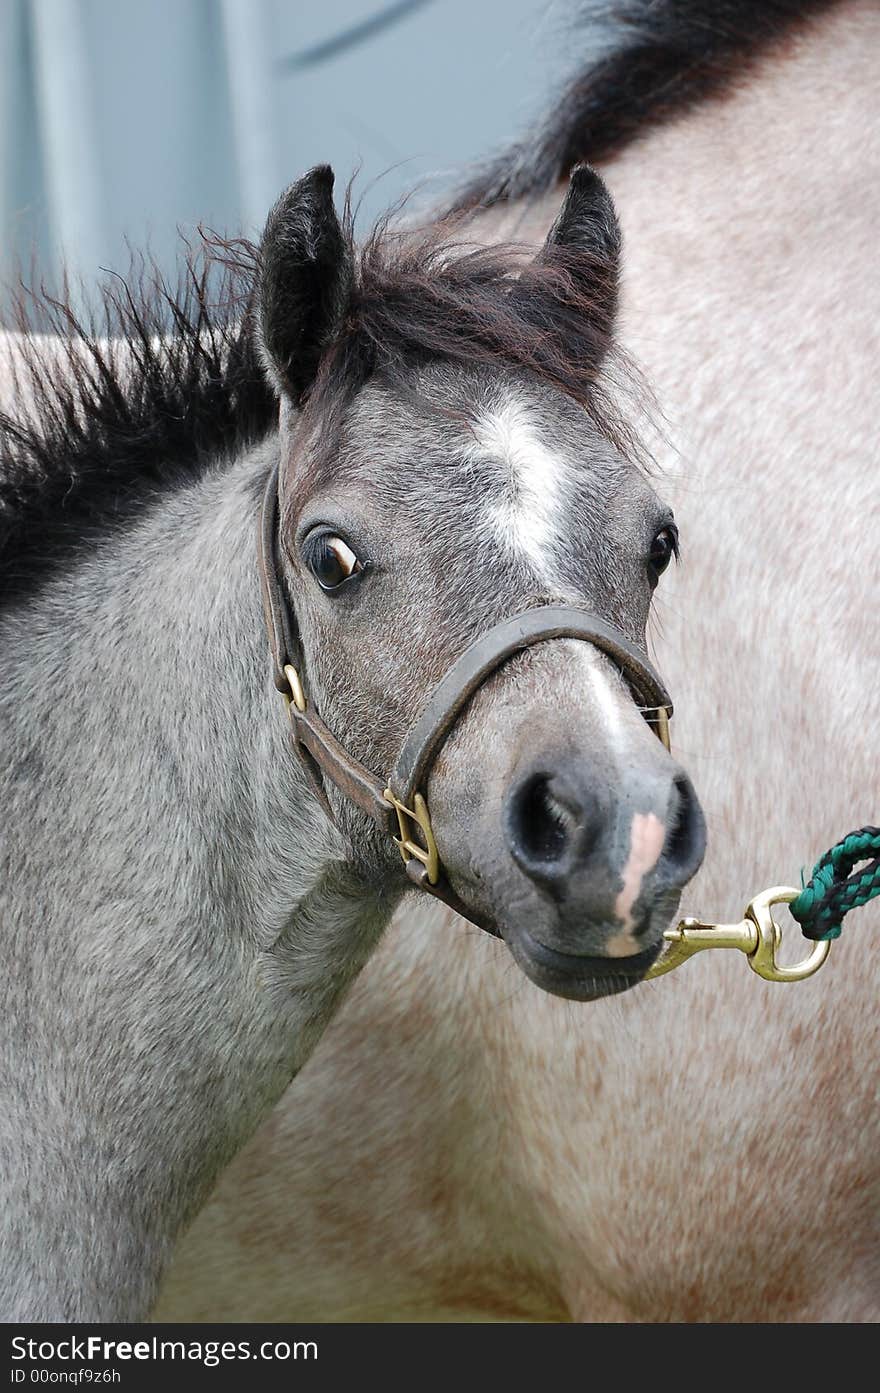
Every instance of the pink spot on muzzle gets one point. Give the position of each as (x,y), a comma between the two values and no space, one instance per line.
(647,836)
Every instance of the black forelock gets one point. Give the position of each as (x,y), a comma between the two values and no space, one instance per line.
(436,293)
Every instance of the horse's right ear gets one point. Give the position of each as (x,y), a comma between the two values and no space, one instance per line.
(305,281)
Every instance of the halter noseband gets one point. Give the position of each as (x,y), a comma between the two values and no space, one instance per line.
(398,804)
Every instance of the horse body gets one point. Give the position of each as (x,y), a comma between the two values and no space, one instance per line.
(705,1147)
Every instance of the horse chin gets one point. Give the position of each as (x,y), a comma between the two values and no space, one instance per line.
(577,976)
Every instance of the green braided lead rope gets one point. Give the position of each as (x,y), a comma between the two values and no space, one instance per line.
(834,889)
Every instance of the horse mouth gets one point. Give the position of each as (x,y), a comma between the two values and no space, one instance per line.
(576,976)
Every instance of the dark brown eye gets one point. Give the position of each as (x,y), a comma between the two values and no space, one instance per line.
(331,561)
(663,548)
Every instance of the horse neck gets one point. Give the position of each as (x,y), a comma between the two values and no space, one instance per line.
(181,919)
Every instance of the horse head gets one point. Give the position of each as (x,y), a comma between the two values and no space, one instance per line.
(451,472)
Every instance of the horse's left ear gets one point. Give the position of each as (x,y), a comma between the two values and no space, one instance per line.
(585,238)
(305,282)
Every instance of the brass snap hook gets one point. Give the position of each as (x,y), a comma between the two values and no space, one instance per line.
(757,935)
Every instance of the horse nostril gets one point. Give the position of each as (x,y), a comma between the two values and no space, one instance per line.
(543,818)
(545,822)
(686,835)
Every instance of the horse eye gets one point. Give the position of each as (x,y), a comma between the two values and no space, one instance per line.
(332,561)
(663,548)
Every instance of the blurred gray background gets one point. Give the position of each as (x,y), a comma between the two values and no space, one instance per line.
(126,119)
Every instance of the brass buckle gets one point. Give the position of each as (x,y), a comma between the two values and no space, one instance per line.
(406,844)
(758,936)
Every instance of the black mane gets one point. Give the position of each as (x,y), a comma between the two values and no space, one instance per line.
(656,58)
(137,400)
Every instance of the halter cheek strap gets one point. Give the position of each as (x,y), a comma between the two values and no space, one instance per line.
(398,804)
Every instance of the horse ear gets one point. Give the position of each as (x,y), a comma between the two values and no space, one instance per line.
(305,281)
(585,238)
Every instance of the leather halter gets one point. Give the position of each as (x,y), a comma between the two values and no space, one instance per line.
(398,804)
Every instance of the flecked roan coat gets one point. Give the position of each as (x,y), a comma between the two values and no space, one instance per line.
(704,1147)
